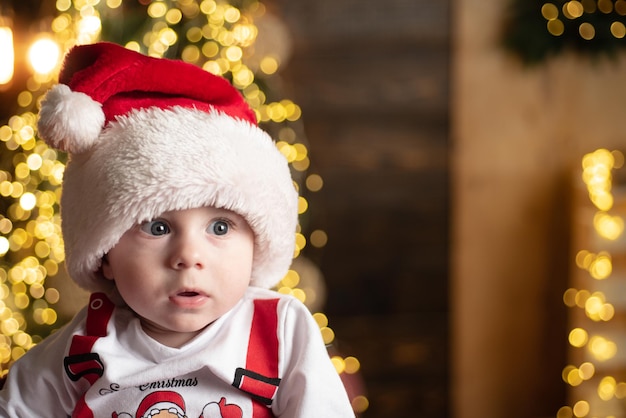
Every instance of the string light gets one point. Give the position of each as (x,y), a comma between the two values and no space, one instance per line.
(44,56)
(593,383)
(214,35)
(6,52)
(582,12)
(592,27)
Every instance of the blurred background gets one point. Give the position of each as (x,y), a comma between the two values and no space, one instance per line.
(459,164)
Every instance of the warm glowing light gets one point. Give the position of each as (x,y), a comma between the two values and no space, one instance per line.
(360,404)
(555,27)
(339,363)
(578,337)
(88,28)
(605,6)
(565,412)
(157,9)
(597,309)
(581,297)
(318,238)
(573,377)
(173,16)
(569,297)
(581,409)
(601,267)
(320,319)
(328,335)
(586,370)
(607,226)
(549,11)
(618,156)
(583,259)
(44,55)
(291,279)
(269,65)
(607,388)
(597,176)
(4,245)
(28,201)
(587,31)
(114,4)
(314,182)
(352,365)
(300,241)
(574,9)
(618,29)
(7,55)
(602,348)
(303,205)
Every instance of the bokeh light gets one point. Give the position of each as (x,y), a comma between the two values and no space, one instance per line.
(594,303)
(44,55)
(7,53)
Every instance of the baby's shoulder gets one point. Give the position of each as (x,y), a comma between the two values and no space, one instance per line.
(262,294)
(287,306)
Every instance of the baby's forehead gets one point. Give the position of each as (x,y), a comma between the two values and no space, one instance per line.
(202,210)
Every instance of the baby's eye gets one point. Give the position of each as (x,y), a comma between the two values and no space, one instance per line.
(220,227)
(156,228)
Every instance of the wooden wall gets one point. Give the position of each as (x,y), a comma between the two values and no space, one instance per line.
(372,80)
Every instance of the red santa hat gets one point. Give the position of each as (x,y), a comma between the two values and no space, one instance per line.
(147,135)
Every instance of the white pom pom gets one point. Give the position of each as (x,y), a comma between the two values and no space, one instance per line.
(70,121)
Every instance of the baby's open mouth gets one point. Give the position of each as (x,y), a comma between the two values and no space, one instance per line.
(189,299)
(188,294)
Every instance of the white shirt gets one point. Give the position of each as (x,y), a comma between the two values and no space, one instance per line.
(141,375)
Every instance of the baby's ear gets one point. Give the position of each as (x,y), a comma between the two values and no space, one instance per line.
(105,268)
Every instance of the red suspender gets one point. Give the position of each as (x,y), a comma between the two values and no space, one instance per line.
(260,377)
(81,362)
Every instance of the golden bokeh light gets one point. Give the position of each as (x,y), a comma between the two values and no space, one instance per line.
(618,29)
(549,11)
(602,348)
(360,404)
(7,52)
(565,412)
(589,338)
(318,238)
(610,227)
(581,409)
(574,9)
(605,6)
(578,337)
(607,388)
(555,27)
(587,31)
(587,370)
(44,55)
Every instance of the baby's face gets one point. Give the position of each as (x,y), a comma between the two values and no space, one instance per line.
(182,270)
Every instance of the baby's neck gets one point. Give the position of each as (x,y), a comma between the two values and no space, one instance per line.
(168,338)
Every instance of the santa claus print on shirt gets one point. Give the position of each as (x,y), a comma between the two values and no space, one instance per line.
(168,404)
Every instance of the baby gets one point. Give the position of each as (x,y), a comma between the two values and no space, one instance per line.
(178,214)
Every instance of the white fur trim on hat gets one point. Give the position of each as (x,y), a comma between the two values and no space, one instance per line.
(156,160)
(70,121)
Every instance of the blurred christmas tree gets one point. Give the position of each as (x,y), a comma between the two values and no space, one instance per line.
(538,29)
